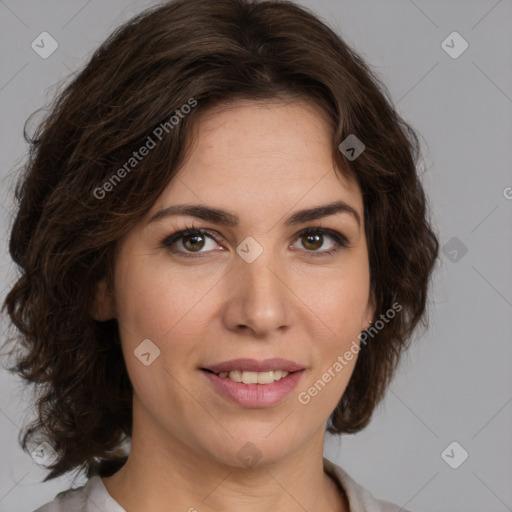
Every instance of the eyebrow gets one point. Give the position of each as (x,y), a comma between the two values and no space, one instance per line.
(225,218)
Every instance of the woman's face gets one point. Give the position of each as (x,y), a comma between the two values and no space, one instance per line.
(256,289)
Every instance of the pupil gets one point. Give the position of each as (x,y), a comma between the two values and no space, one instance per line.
(191,237)
(314,237)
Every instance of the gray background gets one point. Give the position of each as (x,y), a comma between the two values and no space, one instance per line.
(455,383)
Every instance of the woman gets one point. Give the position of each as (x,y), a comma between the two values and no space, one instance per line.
(224,249)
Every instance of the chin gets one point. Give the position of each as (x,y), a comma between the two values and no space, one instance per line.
(260,449)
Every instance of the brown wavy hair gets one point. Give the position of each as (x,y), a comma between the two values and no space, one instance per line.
(64,237)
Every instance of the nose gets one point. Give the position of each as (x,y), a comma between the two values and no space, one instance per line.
(259,297)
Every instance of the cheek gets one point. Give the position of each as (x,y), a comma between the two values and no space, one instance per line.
(157,304)
(155,300)
(339,308)
(322,391)
(340,302)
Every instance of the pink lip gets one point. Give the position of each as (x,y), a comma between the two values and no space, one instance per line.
(255,395)
(252,365)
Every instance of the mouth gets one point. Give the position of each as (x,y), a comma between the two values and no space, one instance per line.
(248,377)
(252,383)
(254,365)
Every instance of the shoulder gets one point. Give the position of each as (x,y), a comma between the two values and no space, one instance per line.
(70,500)
(90,497)
(360,499)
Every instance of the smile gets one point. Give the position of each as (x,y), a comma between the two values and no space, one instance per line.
(254,389)
(248,377)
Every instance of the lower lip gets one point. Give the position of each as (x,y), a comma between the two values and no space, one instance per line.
(255,395)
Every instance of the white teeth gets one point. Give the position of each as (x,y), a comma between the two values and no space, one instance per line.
(249,377)
(266,377)
(255,377)
(234,375)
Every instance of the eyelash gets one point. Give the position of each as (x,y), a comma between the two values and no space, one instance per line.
(339,239)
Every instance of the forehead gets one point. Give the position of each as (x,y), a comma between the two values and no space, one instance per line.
(254,156)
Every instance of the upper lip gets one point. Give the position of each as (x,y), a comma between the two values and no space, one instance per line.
(253,365)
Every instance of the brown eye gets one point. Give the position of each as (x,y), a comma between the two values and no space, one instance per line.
(193,242)
(312,242)
(313,239)
(190,241)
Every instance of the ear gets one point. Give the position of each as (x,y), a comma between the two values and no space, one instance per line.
(103,306)
(370,312)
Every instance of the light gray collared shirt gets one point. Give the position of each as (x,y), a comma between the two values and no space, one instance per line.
(94,497)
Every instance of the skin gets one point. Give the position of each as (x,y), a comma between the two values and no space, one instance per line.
(262,162)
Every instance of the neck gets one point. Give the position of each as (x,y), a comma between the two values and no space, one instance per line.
(162,470)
